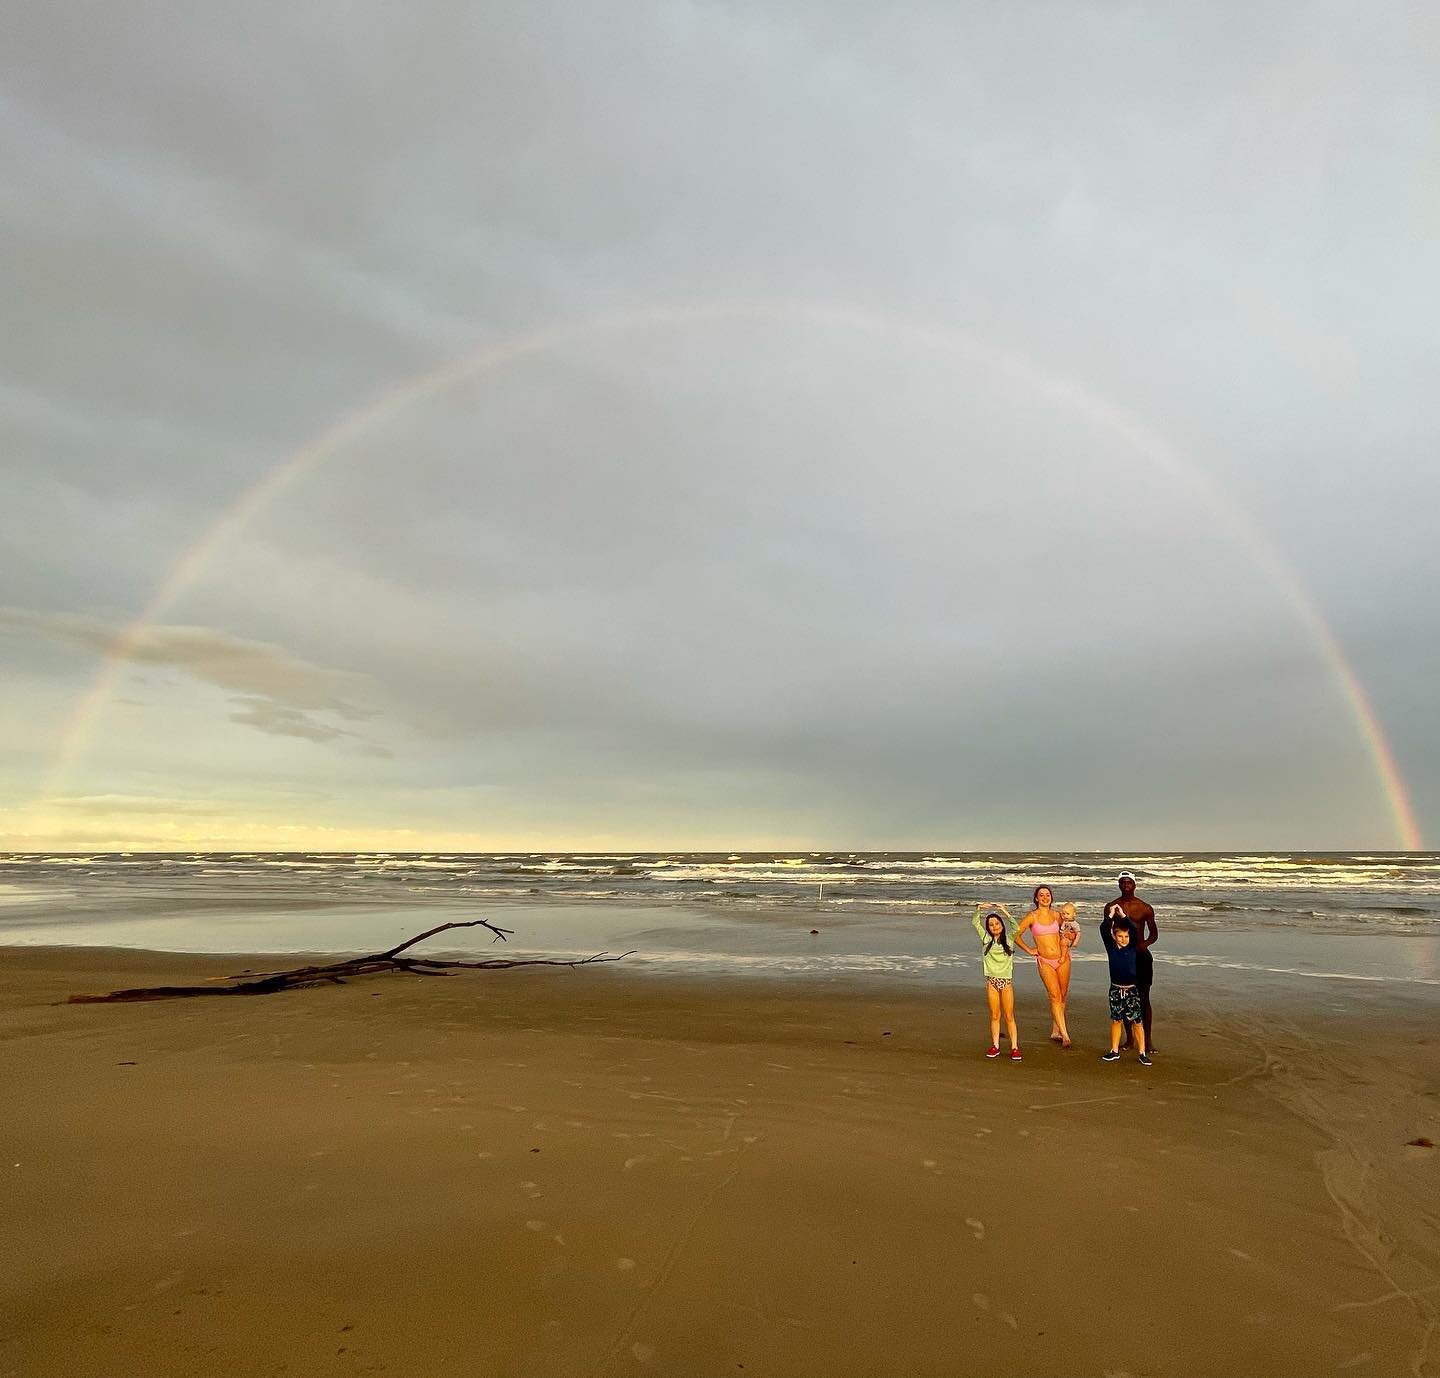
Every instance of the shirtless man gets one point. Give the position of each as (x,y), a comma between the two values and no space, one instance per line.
(1142,919)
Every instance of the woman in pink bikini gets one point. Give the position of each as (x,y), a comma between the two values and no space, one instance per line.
(1054,933)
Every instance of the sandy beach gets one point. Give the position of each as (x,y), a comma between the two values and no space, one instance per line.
(542,1172)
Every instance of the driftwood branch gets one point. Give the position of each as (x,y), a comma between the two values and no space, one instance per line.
(267,982)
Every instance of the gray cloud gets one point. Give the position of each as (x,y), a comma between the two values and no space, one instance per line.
(106,804)
(215,657)
(283,721)
(731,572)
(279,693)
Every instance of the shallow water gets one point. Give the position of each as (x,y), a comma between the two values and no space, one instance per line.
(1338,917)
(1398,891)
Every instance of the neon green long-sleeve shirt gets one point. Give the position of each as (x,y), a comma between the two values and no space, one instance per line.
(998,962)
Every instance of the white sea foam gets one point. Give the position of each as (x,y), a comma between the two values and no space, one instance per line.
(1359,893)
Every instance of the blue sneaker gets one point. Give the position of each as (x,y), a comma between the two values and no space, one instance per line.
(1111,1056)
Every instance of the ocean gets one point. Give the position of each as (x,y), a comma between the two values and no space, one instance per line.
(1358,916)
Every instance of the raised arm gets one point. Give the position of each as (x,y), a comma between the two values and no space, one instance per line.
(978,923)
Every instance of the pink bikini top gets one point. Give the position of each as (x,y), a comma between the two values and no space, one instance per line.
(1045,927)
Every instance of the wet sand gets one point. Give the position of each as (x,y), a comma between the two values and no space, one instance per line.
(547,1172)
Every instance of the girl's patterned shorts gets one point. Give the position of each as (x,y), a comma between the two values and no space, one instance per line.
(999,982)
(1125,1004)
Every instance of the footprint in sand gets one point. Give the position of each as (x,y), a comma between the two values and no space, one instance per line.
(1359,1359)
(643,1353)
(929,1163)
(1010,1320)
(538,1226)
(625,1265)
(977,1227)
(980,1300)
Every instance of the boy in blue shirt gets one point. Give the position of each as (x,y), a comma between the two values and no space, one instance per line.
(1118,935)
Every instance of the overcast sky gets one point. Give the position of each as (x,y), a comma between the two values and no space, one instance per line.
(756,560)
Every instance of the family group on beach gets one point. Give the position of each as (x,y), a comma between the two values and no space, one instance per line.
(1128,932)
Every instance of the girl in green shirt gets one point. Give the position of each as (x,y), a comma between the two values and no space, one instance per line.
(996,931)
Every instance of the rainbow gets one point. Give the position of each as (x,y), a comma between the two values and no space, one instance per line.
(969,352)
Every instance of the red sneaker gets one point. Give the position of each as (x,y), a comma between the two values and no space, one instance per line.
(992,1051)
(1015,1055)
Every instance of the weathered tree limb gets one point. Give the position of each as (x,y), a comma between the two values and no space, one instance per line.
(267,982)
